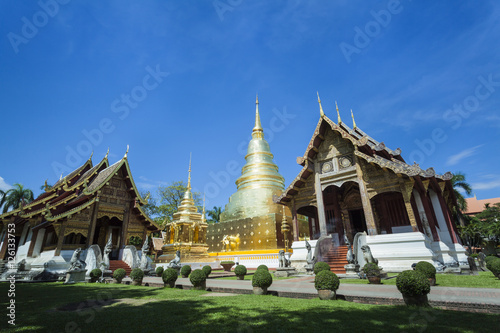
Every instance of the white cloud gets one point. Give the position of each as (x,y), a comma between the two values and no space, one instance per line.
(454,159)
(494,183)
(3,185)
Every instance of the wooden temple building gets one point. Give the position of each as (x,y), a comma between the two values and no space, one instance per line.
(84,208)
(351,183)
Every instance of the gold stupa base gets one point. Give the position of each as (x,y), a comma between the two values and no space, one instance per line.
(189,253)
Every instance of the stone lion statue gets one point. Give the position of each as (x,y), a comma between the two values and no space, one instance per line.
(367,255)
(282,260)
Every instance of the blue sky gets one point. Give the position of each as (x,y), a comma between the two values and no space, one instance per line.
(173,77)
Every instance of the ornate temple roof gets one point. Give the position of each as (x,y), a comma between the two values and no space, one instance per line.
(77,191)
(369,149)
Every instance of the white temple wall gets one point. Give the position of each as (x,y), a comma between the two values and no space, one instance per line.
(38,243)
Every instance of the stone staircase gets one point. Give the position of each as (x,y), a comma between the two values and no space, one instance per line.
(115,264)
(336,258)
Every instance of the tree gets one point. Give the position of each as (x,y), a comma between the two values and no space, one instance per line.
(458,182)
(489,225)
(151,208)
(2,197)
(170,198)
(214,214)
(16,197)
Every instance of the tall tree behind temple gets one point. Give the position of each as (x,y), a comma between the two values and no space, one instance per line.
(214,214)
(458,182)
(16,197)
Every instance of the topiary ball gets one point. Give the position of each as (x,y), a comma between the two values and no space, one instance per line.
(240,270)
(321,266)
(186,270)
(169,276)
(137,274)
(427,269)
(262,279)
(326,280)
(197,277)
(264,267)
(413,283)
(119,274)
(494,267)
(490,260)
(159,270)
(95,273)
(207,270)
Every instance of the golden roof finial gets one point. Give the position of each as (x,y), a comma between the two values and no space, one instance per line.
(353,121)
(92,154)
(107,154)
(320,107)
(126,153)
(338,114)
(257,130)
(60,178)
(189,174)
(46,186)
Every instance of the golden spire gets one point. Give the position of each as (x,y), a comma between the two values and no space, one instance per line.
(257,132)
(189,174)
(107,154)
(353,121)
(92,154)
(338,114)
(126,153)
(320,107)
(60,178)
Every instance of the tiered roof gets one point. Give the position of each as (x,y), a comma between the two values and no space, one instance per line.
(368,149)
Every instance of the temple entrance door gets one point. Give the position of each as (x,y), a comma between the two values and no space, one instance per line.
(115,240)
(357,217)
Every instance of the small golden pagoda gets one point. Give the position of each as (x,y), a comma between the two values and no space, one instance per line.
(186,232)
(252,220)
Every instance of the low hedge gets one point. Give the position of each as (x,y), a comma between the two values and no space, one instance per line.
(240,270)
(169,276)
(227,262)
(119,274)
(186,270)
(321,266)
(159,270)
(264,267)
(490,260)
(413,283)
(494,267)
(326,280)
(137,274)
(197,277)
(207,270)
(262,278)
(427,269)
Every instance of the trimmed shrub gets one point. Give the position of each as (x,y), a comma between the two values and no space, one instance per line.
(197,277)
(186,270)
(159,270)
(371,269)
(490,260)
(326,280)
(119,274)
(169,275)
(240,270)
(262,279)
(427,269)
(413,283)
(321,266)
(494,267)
(207,270)
(95,274)
(264,267)
(137,274)
(227,262)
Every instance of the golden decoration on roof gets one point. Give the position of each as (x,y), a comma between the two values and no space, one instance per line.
(320,107)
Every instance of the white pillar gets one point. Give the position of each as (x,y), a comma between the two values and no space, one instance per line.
(421,213)
(444,234)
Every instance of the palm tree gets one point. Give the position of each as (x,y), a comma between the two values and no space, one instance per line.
(458,182)
(2,198)
(214,214)
(17,196)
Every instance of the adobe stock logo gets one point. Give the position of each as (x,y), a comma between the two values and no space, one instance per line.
(29,30)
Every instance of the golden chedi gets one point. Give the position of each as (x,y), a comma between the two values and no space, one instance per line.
(252,220)
(186,232)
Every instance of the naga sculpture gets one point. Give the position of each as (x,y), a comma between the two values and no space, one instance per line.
(76,264)
(176,262)
(351,259)
(144,259)
(310,260)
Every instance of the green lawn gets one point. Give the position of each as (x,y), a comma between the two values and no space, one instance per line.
(483,280)
(50,307)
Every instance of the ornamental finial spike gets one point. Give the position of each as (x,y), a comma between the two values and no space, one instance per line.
(353,121)
(339,121)
(126,153)
(189,174)
(203,213)
(257,132)
(92,154)
(107,153)
(320,107)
